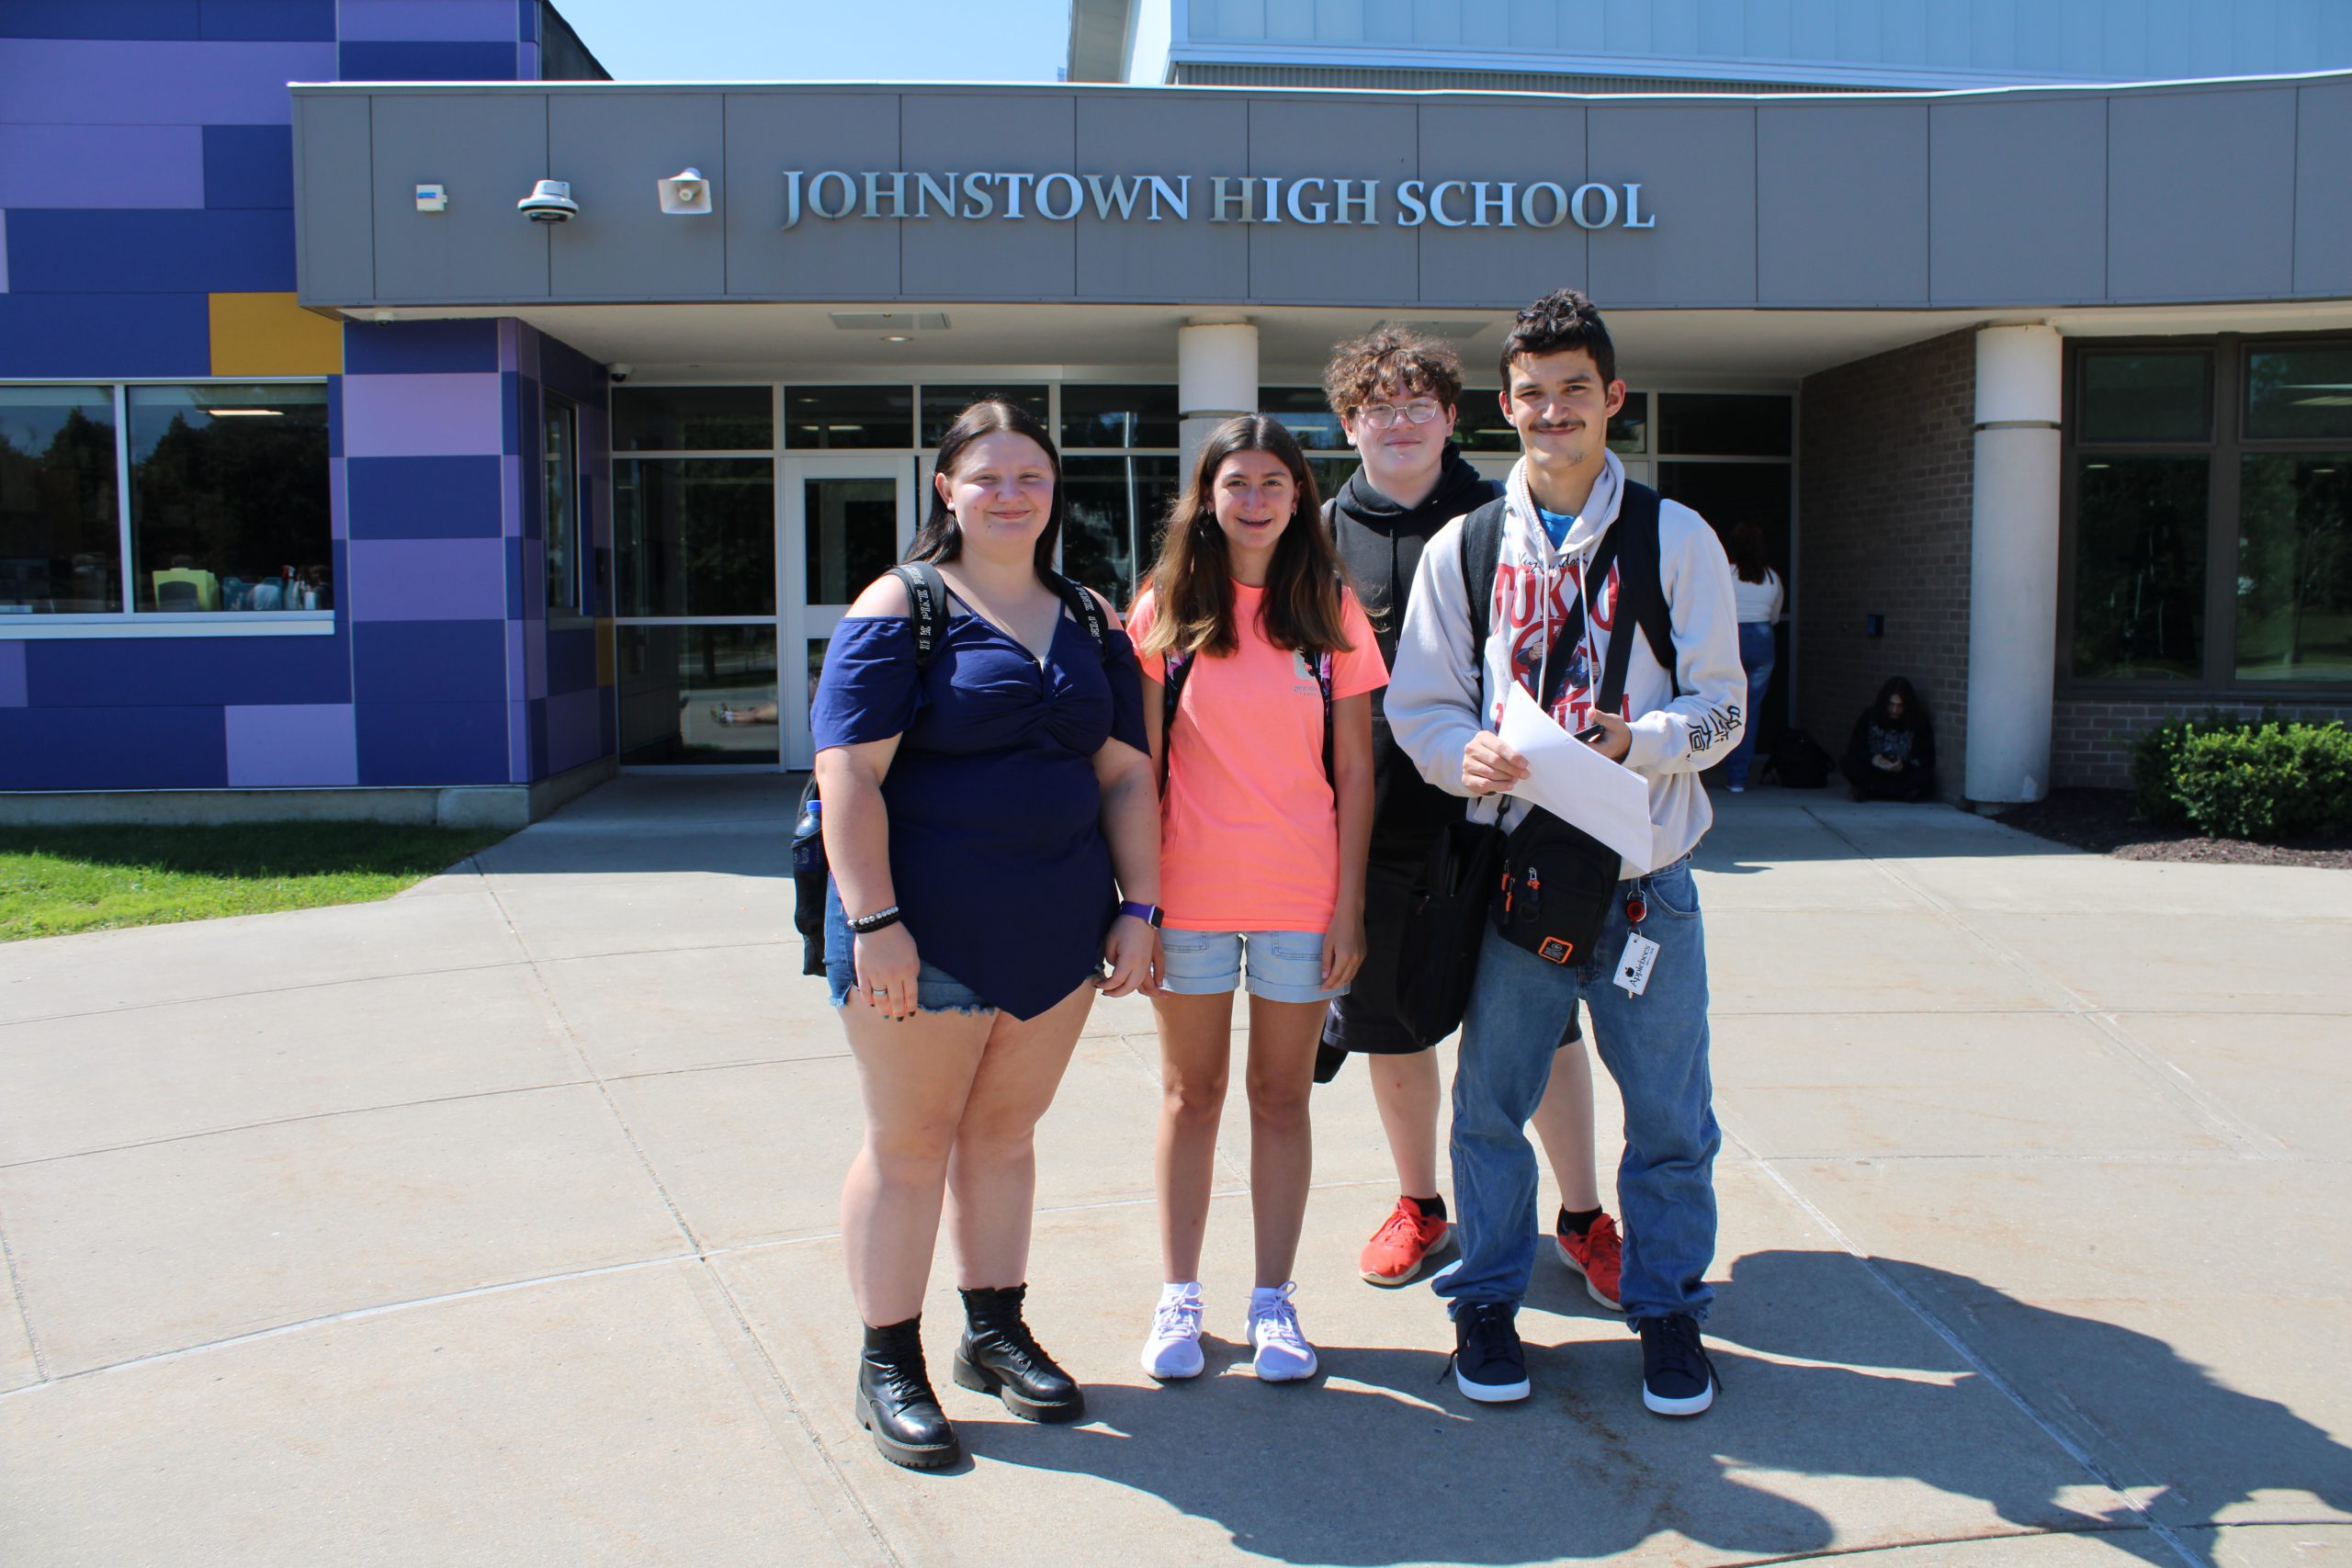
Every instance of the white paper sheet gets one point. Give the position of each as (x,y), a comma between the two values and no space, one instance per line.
(1576,784)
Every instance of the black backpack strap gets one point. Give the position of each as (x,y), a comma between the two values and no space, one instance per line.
(927,607)
(1323,679)
(1086,609)
(1639,584)
(1175,669)
(1482,554)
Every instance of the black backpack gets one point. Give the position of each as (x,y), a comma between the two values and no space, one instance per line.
(1798,762)
(927,610)
(1638,582)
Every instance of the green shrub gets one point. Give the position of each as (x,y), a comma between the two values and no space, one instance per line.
(2266,781)
(2155,760)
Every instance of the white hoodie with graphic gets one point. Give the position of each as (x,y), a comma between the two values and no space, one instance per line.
(1435,704)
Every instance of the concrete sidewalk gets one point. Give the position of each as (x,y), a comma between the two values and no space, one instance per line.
(496,1224)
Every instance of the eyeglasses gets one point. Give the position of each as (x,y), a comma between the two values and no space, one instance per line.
(1380,416)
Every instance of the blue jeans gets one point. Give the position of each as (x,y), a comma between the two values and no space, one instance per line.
(1655,1045)
(1756,657)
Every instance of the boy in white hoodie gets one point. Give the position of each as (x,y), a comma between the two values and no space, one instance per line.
(1444,704)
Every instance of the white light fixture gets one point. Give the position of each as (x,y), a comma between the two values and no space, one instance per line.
(897,337)
(549,202)
(431,198)
(684,194)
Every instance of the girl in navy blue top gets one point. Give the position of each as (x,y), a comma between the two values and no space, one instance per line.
(983,817)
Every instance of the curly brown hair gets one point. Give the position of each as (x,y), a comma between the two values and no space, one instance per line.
(1389,356)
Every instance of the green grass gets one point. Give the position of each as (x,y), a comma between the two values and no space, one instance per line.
(56,880)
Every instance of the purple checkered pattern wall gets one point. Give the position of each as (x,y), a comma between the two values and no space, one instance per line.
(145,169)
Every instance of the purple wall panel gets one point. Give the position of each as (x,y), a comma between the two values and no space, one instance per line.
(151,251)
(260,19)
(127,748)
(129,673)
(433,743)
(421,416)
(430,661)
(12,675)
(575,736)
(420,347)
(522,730)
(293,746)
(249,165)
(426,498)
(510,474)
(101,18)
(101,165)
(82,82)
(429,21)
(94,336)
(427,580)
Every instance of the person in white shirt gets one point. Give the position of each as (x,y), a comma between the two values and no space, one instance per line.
(1755,590)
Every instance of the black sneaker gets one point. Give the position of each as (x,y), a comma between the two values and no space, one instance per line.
(1677,1377)
(1488,1365)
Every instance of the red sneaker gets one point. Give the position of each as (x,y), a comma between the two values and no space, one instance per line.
(1403,1244)
(1597,1255)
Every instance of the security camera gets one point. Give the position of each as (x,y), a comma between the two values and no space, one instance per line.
(619,372)
(549,202)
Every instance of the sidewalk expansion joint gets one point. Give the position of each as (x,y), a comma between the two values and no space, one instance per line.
(24,1316)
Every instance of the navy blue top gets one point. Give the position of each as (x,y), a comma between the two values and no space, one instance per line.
(997,850)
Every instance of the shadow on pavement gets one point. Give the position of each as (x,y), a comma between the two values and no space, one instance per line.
(1380,1460)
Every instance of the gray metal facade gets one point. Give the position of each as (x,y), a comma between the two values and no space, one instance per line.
(2034,198)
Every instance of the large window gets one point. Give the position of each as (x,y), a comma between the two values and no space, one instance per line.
(1119,478)
(226,511)
(61,540)
(2210,514)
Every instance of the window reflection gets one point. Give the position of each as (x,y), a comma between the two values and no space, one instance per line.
(2140,567)
(2295,569)
(59,538)
(696,695)
(229,497)
(1112,508)
(696,536)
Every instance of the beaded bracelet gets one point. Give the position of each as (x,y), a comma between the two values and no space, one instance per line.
(865,925)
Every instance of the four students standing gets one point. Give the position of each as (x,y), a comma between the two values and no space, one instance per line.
(1246,820)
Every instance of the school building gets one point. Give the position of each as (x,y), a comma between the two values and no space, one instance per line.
(399,415)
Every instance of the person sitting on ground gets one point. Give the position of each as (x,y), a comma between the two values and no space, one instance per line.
(1892,754)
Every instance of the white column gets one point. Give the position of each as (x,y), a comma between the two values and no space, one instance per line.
(1216,377)
(2013,563)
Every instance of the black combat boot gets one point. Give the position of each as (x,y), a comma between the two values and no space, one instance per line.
(895,1402)
(1000,1356)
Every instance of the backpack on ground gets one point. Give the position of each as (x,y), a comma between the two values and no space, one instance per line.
(1797,761)
(927,614)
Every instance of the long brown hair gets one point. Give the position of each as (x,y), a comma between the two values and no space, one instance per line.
(1747,557)
(941,537)
(1191,583)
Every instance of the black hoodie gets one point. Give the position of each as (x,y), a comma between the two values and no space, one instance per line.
(1380,543)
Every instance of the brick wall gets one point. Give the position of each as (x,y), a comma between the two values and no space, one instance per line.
(1884,462)
(2090,744)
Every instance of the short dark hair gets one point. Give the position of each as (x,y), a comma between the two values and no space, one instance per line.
(1561,321)
(1416,366)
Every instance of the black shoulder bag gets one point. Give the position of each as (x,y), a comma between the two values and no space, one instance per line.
(1557,880)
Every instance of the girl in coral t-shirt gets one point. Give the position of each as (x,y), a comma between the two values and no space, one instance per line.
(1262,847)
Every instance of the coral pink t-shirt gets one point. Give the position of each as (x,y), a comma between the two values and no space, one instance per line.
(1249,834)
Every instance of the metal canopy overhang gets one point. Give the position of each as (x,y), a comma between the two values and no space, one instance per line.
(1731,350)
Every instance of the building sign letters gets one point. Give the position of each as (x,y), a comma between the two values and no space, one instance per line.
(837,194)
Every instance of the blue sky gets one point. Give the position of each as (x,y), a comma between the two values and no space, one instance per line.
(790,40)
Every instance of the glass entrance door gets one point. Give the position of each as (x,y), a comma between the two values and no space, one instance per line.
(847,518)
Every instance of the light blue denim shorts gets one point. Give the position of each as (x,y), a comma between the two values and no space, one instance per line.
(1285,966)
(935,989)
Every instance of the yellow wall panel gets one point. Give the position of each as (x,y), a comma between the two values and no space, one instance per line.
(268,335)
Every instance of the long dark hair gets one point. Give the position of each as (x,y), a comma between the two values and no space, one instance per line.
(939,539)
(1915,712)
(1191,583)
(1747,554)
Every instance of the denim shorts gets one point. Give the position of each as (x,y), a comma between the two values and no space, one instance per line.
(935,989)
(1285,966)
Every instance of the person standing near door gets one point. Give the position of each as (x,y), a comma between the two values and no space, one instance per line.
(1397,396)
(1680,708)
(985,809)
(1755,590)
